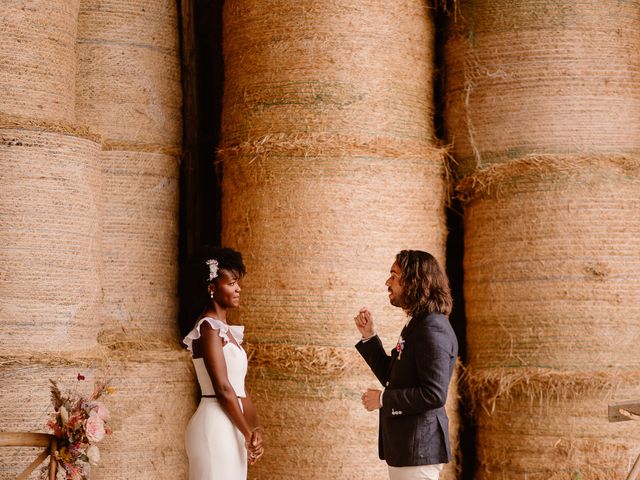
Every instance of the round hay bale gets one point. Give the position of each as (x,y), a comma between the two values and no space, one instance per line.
(153,399)
(140,237)
(38,60)
(319,228)
(546,425)
(551,266)
(328,66)
(542,77)
(50,203)
(129,72)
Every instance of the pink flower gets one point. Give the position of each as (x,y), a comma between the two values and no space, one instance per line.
(95,427)
(102,411)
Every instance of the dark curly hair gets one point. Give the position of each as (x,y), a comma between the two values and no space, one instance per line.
(194,283)
(426,287)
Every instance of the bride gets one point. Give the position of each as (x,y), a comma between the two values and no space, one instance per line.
(223,435)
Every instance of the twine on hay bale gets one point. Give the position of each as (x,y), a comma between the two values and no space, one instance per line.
(543,423)
(128,79)
(37,54)
(542,77)
(50,245)
(338,67)
(552,275)
(140,236)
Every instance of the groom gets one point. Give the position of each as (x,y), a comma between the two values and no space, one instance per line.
(413,433)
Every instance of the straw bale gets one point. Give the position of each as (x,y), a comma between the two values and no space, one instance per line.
(303,413)
(542,77)
(553,425)
(140,236)
(552,273)
(150,407)
(314,258)
(37,58)
(128,77)
(328,66)
(49,241)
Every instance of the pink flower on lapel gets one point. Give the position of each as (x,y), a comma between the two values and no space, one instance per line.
(400,346)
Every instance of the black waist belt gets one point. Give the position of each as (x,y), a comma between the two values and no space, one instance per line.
(212,396)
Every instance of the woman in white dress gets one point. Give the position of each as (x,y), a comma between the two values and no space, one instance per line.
(223,435)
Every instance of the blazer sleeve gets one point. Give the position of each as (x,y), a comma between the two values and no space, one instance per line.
(373,353)
(433,360)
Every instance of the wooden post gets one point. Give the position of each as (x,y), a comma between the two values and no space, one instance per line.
(28,439)
(53,463)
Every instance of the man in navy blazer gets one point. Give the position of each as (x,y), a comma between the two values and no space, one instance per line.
(413,435)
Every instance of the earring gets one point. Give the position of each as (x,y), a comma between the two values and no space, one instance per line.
(211,295)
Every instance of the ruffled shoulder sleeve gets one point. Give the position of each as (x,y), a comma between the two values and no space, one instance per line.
(223,331)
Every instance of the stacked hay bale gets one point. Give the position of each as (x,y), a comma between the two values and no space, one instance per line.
(49,211)
(542,108)
(329,168)
(128,89)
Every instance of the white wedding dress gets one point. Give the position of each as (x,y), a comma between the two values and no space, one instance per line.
(215,446)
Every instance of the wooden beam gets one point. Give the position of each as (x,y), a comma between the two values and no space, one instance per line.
(24,439)
(624,411)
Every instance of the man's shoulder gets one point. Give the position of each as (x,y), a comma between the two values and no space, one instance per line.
(431,320)
(433,324)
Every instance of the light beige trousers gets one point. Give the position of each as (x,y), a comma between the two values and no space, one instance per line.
(420,472)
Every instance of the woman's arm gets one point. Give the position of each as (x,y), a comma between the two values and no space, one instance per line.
(213,357)
(250,412)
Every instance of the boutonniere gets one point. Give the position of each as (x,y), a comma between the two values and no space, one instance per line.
(400,346)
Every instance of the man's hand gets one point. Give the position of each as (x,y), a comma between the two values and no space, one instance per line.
(371,399)
(364,323)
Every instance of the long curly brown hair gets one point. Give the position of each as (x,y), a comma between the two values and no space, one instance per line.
(426,287)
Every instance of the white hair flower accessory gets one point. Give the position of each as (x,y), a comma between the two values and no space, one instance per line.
(213,268)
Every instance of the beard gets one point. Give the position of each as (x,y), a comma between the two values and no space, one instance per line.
(396,301)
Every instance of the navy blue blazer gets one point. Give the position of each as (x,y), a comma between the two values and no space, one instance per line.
(414,427)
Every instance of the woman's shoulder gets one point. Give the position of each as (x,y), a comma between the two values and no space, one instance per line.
(201,324)
(208,322)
